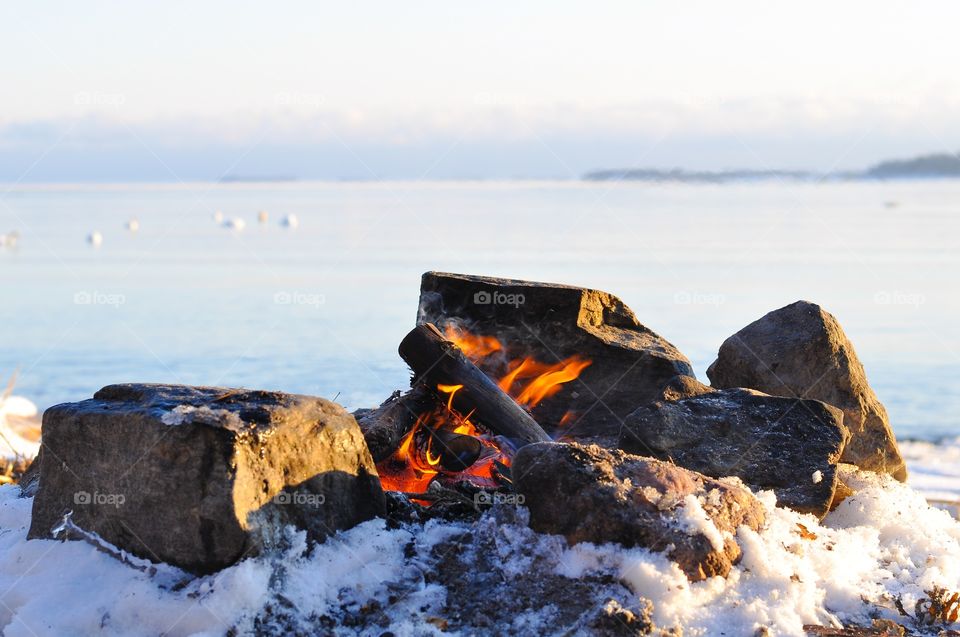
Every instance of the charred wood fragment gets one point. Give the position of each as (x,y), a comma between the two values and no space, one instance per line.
(384,427)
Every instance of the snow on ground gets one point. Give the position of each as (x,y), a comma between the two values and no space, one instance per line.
(69,588)
(882,543)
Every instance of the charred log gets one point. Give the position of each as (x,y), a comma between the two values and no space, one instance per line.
(457,452)
(436,361)
(384,427)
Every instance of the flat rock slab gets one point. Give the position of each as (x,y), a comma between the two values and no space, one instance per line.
(801,350)
(550,322)
(201,477)
(770,442)
(590,494)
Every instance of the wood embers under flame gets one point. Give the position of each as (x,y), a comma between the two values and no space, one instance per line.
(447,444)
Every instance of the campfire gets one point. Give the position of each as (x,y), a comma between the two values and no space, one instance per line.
(556,414)
(469,426)
(500,364)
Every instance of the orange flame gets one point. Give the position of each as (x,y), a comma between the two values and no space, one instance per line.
(415,464)
(473,346)
(543,380)
(406,470)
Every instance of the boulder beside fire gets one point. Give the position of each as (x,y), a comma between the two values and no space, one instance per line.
(801,351)
(590,494)
(201,477)
(770,442)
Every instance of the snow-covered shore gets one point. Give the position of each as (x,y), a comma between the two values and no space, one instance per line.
(883,543)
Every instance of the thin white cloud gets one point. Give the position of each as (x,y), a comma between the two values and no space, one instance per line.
(498,119)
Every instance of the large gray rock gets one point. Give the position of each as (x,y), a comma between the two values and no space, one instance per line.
(801,351)
(550,322)
(201,477)
(770,442)
(590,494)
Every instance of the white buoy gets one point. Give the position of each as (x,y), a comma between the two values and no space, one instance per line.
(236,223)
(133,225)
(95,239)
(290,221)
(9,240)
(218,216)
(263,216)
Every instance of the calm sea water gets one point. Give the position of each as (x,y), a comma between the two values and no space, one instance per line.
(321,308)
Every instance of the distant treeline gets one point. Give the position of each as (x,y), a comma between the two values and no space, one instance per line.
(650,174)
(942,165)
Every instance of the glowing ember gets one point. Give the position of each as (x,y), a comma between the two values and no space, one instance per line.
(417,461)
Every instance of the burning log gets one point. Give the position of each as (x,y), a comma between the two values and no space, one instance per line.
(436,361)
(457,451)
(384,427)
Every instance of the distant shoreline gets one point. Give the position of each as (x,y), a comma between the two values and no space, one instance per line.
(248,179)
(706,177)
(935,166)
(941,166)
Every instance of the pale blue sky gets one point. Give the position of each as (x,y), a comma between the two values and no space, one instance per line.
(136,90)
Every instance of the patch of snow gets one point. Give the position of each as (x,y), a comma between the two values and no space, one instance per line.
(694,520)
(72,588)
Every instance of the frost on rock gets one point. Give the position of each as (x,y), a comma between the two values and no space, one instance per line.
(189,414)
